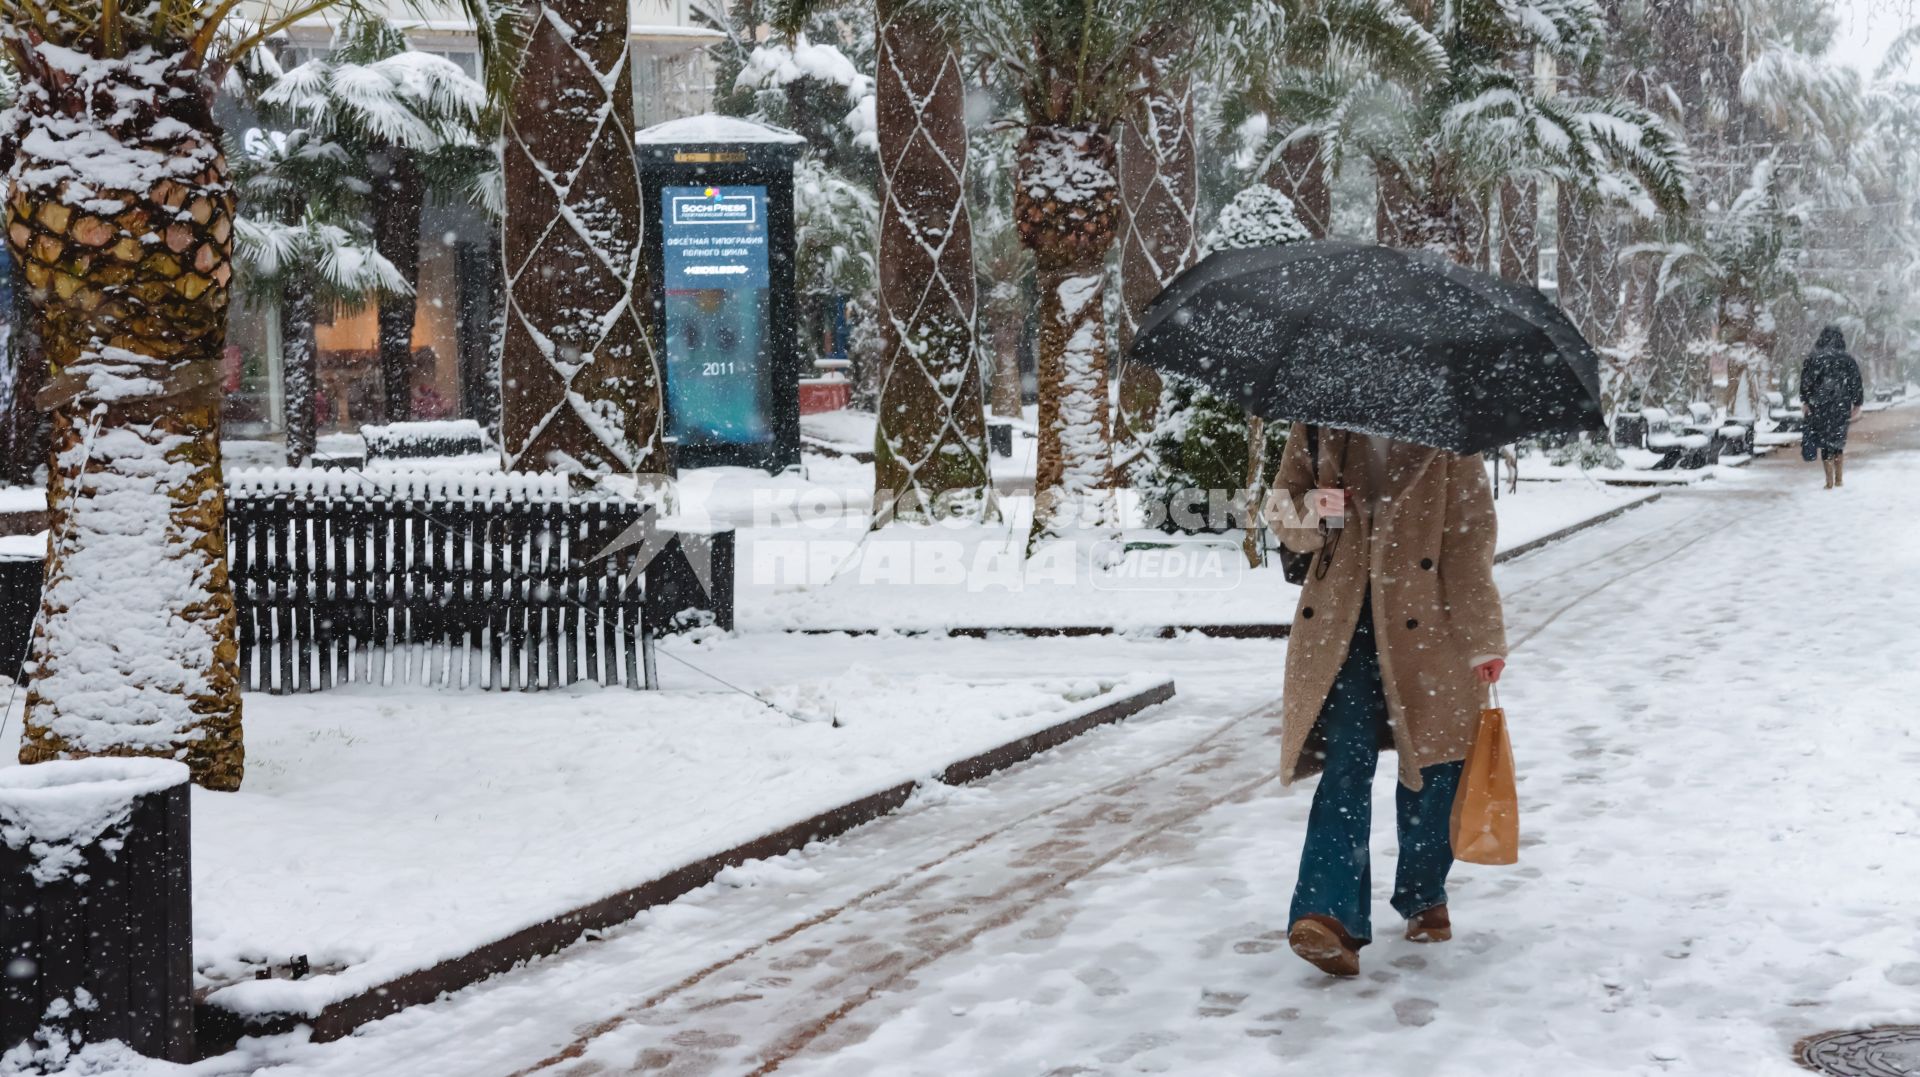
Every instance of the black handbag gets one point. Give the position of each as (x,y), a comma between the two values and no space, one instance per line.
(1295,566)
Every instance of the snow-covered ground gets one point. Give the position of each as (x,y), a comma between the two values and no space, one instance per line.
(834,574)
(1711,707)
(381,830)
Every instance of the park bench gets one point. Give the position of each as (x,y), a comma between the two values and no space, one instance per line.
(461,580)
(1786,420)
(1730,436)
(1678,448)
(1630,429)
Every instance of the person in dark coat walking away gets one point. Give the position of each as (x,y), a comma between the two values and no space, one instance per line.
(1831,392)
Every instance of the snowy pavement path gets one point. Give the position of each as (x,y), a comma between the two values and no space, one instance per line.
(1711,700)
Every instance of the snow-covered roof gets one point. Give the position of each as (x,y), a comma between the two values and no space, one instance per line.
(711,128)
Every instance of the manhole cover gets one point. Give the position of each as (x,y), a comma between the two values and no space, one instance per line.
(1887,1051)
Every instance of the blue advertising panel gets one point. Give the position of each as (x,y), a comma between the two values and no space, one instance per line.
(718,297)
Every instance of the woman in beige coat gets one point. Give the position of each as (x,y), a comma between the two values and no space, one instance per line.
(1398,632)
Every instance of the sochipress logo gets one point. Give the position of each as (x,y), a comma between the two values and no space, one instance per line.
(713,207)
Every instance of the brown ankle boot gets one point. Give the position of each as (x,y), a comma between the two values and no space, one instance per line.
(1826,465)
(1324,944)
(1839,471)
(1430,925)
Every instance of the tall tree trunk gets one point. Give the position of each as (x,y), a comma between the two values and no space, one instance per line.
(1519,231)
(1005,316)
(135,653)
(1066,207)
(480,325)
(299,362)
(1159,210)
(23,370)
(1586,273)
(1426,215)
(1256,487)
(396,234)
(930,447)
(1300,173)
(581,377)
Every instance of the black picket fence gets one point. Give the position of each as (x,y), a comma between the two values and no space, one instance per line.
(496,585)
(488,581)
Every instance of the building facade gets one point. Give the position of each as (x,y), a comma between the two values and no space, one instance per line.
(452,336)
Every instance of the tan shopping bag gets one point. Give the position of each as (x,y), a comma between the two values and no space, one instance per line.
(1486,809)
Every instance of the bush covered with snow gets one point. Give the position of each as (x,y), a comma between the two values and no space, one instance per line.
(1586,455)
(1258,216)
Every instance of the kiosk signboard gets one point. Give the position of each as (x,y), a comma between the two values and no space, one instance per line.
(718,314)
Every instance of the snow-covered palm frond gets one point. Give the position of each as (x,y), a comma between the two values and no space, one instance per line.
(1568,30)
(347,263)
(836,226)
(1802,94)
(303,93)
(1636,149)
(411,100)
(1900,52)
(267,248)
(1078,62)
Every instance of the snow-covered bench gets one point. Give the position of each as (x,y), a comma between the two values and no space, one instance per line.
(1677,448)
(481,580)
(1786,420)
(1729,436)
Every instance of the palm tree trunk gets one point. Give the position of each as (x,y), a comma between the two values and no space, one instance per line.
(23,427)
(930,447)
(581,377)
(1519,232)
(1256,487)
(135,653)
(1159,206)
(1066,207)
(299,357)
(1300,173)
(396,234)
(1005,316)
(1432,215)
(1587,276)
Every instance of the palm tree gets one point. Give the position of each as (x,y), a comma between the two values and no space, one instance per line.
(1320,41)
(409,123)
(303,243)
(581,371)
(1739,262)
(1077,67)
(1333,55)
(930,446)
(121,215)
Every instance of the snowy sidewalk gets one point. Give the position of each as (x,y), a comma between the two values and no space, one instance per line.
(1700,767)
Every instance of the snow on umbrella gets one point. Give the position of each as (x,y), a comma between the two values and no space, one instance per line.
(1403,344)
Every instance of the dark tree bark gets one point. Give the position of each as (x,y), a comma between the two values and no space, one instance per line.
(299,355)
(1300,173)
(396,234)
(1159,176)
(930,448)
(581,376)
(1519,233)
(23,427)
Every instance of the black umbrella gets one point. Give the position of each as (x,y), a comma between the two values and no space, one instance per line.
(1403,344)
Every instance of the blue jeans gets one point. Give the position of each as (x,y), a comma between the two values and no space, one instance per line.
(1336,877)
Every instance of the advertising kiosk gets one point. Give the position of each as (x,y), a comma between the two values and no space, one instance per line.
(719,242)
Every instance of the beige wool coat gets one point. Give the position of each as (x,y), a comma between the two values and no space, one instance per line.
(1427,554)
